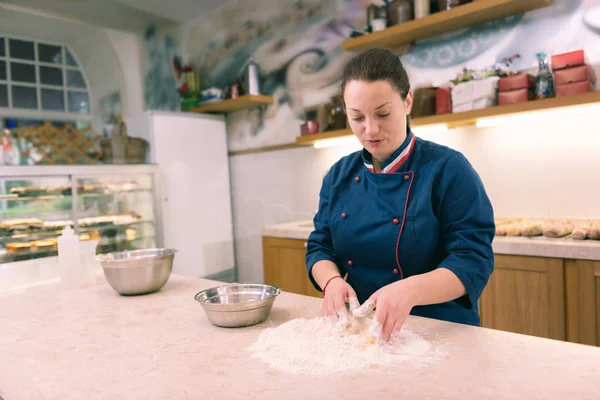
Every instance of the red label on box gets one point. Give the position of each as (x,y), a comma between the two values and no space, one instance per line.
(574,88)
(443,100)
(515,96)
(567,60)
(574,74)
(520,81)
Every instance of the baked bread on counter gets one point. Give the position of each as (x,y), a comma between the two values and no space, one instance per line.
(551,228)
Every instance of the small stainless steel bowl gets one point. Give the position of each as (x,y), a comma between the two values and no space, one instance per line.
(238,305)
(137,271)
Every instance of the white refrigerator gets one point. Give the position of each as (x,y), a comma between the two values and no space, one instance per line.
(194,195)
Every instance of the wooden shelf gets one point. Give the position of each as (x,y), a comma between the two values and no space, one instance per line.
(471,117)
(232,105)
(454,120)
(442,22)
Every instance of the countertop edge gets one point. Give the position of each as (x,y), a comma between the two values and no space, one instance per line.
(507,245)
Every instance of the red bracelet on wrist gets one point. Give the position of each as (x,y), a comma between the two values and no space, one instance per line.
(330,279)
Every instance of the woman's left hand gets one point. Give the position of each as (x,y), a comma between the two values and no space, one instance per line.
(393,304)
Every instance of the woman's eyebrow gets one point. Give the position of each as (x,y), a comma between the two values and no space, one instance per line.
(377,108)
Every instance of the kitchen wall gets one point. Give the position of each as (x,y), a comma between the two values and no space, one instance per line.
(128,47)
(110,58)
(544,168)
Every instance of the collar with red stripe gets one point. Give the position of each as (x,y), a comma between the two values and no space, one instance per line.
(396,160)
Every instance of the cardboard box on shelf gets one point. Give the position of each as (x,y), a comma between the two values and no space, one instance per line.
(574,74)
(424,102)
(443,100)
(567,60)
(515,96)
(574,88)
(474,95)
(515,82)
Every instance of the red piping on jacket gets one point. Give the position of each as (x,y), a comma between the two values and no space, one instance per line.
(402,226)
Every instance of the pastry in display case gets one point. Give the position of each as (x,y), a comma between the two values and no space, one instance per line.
(115,205)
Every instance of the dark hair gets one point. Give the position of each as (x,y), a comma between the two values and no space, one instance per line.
(375,65)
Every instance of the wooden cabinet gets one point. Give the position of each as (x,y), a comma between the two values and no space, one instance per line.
(285,265)
(526,295)
(582,282)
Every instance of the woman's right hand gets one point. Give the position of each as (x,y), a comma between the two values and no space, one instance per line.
(336,294)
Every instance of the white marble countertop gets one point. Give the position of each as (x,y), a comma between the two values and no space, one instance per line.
(290,230)
(524,246)
(94,344)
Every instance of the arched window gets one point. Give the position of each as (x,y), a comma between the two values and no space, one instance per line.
(42,81)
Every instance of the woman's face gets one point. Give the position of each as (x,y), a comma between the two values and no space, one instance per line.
(377,116)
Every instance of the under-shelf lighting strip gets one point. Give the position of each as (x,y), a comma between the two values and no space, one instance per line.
(562,112)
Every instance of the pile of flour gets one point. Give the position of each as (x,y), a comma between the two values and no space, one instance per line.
(318,347)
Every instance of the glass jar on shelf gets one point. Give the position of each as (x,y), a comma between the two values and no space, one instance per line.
(400,11)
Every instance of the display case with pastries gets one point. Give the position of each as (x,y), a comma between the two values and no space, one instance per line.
(114,204)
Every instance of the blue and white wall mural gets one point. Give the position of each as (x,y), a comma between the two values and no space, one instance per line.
(160,83)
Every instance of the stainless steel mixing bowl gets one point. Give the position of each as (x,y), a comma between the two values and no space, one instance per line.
(137,271)
(238,305)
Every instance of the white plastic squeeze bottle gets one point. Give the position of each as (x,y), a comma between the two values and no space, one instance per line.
(72,273)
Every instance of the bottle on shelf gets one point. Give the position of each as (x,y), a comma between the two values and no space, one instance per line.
(253,77)
(422,8)
(377,17)
(544,86)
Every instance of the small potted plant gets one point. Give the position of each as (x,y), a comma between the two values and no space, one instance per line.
(474,89)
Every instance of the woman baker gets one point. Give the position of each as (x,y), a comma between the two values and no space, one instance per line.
(406,221)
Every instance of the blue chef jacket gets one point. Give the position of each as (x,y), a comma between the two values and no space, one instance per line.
(429,210)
